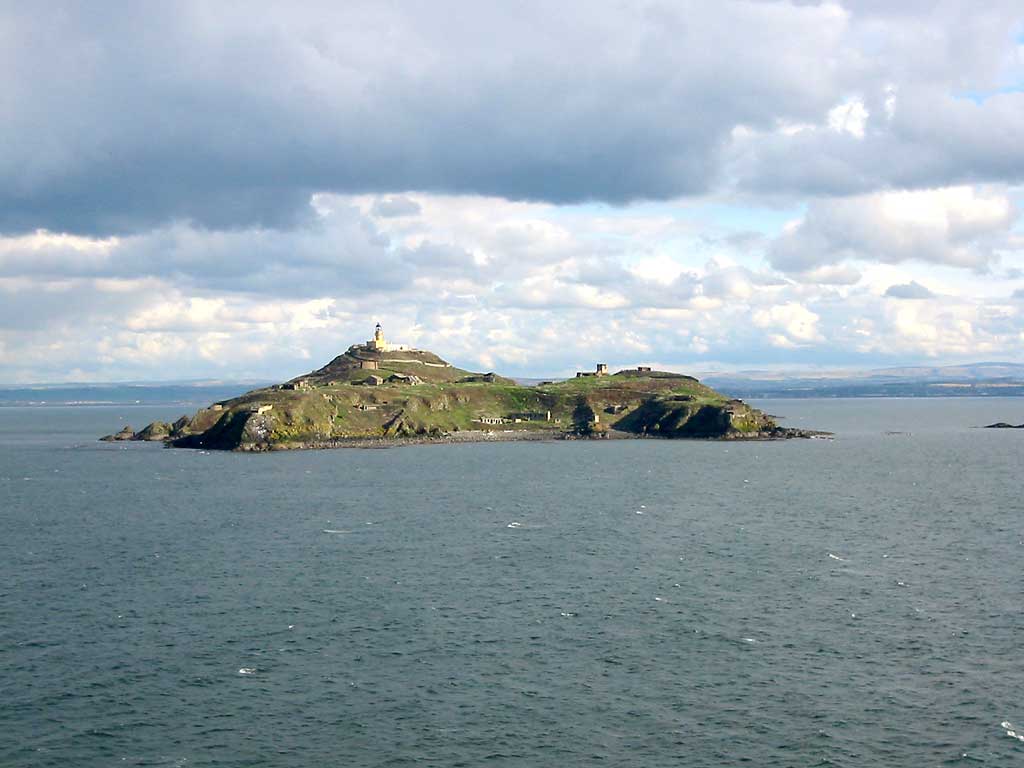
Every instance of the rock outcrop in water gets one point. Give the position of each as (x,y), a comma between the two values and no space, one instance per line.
(158,431)
(386,395)
(125,434)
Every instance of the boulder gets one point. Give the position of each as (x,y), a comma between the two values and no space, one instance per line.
(179,427)
(158,430)
(125,434)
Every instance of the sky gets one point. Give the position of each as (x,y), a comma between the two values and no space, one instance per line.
(229,190)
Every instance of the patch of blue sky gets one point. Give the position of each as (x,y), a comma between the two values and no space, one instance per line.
(745,218)
(701,216)
(981,96)
(1012,76)
(1016,196)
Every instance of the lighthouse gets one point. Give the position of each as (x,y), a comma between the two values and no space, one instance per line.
(378,343)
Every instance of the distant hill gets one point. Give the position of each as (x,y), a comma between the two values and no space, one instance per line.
(166,393)
(985,379)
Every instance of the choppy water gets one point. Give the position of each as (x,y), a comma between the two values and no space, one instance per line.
(847,603)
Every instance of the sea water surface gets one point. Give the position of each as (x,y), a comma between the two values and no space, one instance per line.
(644,603)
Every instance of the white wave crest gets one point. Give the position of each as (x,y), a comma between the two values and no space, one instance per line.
(1011,731)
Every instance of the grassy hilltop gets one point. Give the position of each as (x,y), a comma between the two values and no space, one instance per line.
(365,396)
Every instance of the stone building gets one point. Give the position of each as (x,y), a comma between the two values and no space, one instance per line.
(404,378)
(600,370)
(530,416)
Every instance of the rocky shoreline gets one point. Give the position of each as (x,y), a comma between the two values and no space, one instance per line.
(468,436)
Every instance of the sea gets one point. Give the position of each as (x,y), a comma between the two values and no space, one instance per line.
(849,602)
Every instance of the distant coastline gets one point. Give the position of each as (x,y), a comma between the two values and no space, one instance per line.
(985,379)
(185,395)
(974,380)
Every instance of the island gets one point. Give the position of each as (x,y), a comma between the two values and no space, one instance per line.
(378,394)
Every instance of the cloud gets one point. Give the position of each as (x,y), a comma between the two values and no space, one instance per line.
(791,324)
(395,206)
(123,118)
(223,190)
(955,226)
(339,252)
(637,286)
(934,139)
(935,108)
(849,117)
(911,290)
(829,274)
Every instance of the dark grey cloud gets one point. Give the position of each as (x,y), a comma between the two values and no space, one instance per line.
(911,290)
(197,132)
(439,259)
(341,253)
(119,116)
(934,138)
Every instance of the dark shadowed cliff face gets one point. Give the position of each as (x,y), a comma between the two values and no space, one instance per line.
(233,430)
(669,418)
(365,396)
(681,416)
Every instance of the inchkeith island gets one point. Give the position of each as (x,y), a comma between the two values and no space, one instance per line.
(378,393)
